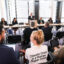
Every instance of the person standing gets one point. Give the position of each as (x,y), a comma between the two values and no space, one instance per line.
(31,17)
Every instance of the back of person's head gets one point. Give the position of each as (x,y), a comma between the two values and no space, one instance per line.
(46,24)
(60,56)
(38,35)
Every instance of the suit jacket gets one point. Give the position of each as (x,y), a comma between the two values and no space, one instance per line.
(31,18)
(3,23)
(41,21)
(7,55)
(13,23)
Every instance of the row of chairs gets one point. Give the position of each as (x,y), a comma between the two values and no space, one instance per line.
(17,38)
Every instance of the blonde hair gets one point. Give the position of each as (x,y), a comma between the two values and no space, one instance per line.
(38,35)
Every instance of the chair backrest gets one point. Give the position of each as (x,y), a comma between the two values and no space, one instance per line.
(14,39)
(54,42)
(50,59)
(10,31)
(60,34)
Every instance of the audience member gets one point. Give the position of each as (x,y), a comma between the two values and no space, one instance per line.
(38,53)
(3,22)
(7,55)
(47,31)
(50,20)
(58,21)
(59,54)
(14,21)
(27,32)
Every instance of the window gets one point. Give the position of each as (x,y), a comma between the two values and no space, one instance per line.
(10,10)
(47,9)
(22,11)
(2,9)
(32,7)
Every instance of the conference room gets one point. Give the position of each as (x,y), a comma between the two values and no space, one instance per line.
(31,31)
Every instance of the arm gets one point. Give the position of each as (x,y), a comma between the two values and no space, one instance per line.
(23,51)
(12,57)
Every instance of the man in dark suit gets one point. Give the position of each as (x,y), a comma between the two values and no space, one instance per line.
(41,21)
(3,22)
(7,55)
(31,17)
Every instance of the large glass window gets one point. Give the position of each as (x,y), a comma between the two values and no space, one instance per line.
(47,9)
(2,9)
(10,10)
(0,12)
(20,9)
(31,7)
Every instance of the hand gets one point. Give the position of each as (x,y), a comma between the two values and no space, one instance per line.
(55,48)
(22,51)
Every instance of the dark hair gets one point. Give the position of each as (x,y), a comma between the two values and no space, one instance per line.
(1,27)
(47,24)
(13,19)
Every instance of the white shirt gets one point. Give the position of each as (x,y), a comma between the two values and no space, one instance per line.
(37,54)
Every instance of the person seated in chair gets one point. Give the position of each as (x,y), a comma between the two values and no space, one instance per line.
(41,21)
(37,53)
(59,55)
(47,31)
(27,32)
(14,21)
(50,21)
(7,54)
(3,22)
